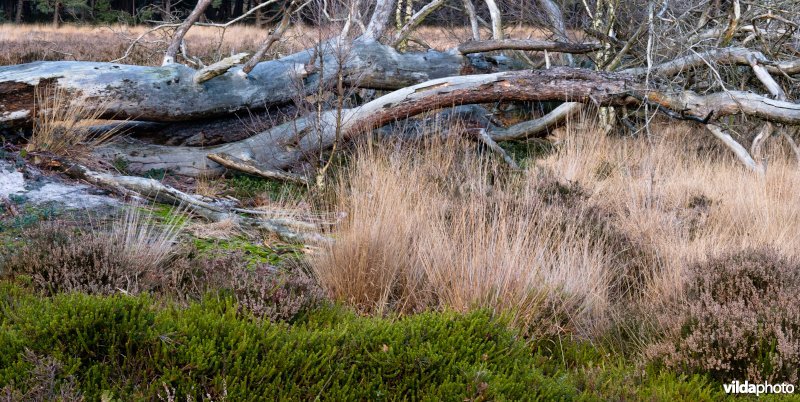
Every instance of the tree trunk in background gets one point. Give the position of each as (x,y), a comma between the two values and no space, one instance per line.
(56,11)
(20,6)
(259,15)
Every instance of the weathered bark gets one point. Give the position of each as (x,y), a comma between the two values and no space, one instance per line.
(527,44)
(286,146)
(168,93)
(379,20)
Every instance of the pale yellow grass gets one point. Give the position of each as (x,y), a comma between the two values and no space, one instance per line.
(35,42)
(61,127)
(27,43)
(684,205)
(427,228)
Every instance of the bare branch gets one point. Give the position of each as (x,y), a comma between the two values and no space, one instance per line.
(738,150)
(469,8)
(177,38)
(273,37)
(497,19)
(415,20)
(246,166)
(527,44)
(218,68)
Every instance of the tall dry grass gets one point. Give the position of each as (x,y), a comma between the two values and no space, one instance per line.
(683,199)
(441,228)
(34,42)
(599,232)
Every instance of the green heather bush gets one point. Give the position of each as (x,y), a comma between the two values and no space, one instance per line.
(129,346)
(137,348)
(740,320)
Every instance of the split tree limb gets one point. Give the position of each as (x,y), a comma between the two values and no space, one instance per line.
(218,68)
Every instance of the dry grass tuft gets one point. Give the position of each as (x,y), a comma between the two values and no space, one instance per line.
(441,228)
(680,200)
(59,126)
(223,230)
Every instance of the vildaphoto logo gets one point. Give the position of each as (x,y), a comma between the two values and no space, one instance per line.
(746,387)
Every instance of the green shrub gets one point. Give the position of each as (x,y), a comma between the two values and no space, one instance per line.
(129,346)
(137,348)
(740,320)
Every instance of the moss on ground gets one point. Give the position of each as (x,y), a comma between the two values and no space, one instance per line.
(273,254)
(245,187)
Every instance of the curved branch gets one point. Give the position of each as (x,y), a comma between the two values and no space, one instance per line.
(497,19)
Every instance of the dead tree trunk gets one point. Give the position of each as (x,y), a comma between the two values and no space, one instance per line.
(288,145)
(169,93)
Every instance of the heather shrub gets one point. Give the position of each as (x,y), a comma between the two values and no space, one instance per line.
(739,321)
(44,381)
(135,348)
(57,258)
(123,347)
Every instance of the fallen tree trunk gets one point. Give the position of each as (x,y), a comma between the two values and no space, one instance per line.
(288,145)
(170,93)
